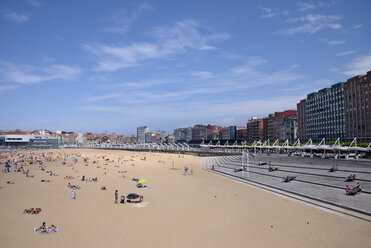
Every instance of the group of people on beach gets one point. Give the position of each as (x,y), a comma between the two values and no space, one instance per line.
(44,229)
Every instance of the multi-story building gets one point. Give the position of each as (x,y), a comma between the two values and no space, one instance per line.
(325,115)
(183,134)
(276,125)
(254,129)
(357,93)
(141,134)
(232,132)
(199,132)
(302,121)
(265,128)
(225,133)
(241,133)
(270,136)
(288,126)
(148,137)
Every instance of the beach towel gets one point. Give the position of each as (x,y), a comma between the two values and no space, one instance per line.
(141,204)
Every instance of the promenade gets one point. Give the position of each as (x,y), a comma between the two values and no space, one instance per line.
(313,179)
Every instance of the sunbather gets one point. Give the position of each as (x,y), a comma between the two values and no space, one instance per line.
(272,168)
(288,179)
(348,189)
(334,168)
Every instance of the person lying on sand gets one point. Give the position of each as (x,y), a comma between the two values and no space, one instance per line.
(10,182)
(32,211)
(139,185)
(103,188)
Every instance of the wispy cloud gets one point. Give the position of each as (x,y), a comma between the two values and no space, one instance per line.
(269,12)
(35,3)
(27,74)
(305,6)
(336,42)
(176,39)
(358,66)
(202,74)
(122,21)
(15,17)
(345,53)
(7,87)
(358,26)
(312,24)
(104,97)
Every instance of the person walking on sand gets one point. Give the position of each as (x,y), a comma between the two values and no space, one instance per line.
(73,193)
(116,196)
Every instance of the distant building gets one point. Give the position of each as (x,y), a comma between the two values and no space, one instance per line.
(302,120)
(225,133)
(325,115)
(241,133)
(199,132)
(148,137)
(232,132)
(160,137)
(29,141)
(265,129)
(270,136)
(254,129)
(141,134)
(357,92)
(288,126)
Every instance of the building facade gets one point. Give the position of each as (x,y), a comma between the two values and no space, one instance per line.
(141,134)
(357,93)
(302,121)
(325,114)
(199,132)
(288,126)
(254,129)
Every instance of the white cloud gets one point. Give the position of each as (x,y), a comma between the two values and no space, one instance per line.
(345,53)
(312,24)
(176,39)
(358,66)
(203,74)
(207,47)
(7,87)
(305,6)
(336,42)
(268,12)
(122,22)
(358,26)
(15,17)
(104,97)
(31,74)
(34,3)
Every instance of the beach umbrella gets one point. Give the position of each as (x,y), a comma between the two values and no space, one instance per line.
(75,159)
(142,181)
(7,166)
(132,196)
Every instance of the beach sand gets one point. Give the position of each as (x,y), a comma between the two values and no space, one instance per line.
(200,210)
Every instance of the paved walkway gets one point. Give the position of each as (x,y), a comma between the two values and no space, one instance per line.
(313,180)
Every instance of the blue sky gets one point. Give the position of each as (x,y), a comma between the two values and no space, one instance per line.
(115,65)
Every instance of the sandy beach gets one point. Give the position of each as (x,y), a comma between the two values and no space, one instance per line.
(199,210)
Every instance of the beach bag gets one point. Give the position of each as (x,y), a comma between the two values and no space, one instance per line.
(122,199)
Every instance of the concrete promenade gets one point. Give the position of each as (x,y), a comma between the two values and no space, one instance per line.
(313,179)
